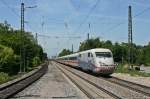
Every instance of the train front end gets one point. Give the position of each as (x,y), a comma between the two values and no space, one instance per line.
(104,63)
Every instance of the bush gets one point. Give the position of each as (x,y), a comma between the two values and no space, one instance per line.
(123,69)
(4,77)
(16,47)
(8,60)
(36,61)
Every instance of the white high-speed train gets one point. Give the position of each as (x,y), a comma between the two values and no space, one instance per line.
(97,60)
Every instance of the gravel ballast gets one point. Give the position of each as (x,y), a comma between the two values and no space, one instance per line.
(139,80)
(118,90)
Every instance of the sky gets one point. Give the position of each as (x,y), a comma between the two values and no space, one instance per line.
(66,22)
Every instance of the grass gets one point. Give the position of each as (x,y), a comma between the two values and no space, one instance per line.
(122,69)
(4,77)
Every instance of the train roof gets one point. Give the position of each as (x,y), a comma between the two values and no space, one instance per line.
(71,55)
(96,50)
(91,50)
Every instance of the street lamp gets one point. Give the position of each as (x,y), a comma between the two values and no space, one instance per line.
(31,6)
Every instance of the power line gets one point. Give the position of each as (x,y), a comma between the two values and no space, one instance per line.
(142,12)
(87,16)
(121,23)
(13,11)
(117,25)
(57,37)
(30,27)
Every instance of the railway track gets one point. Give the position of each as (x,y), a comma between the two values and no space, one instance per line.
(145,90)
(89,95)
(15,86)
(82,89)
(140,90)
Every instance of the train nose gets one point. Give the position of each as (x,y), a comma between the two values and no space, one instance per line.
(104,70)
(105,61)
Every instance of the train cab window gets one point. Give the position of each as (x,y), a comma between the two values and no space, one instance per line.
(79,55)
(103,54)
(91,55)
(73,58)
(66,58)
(88,54)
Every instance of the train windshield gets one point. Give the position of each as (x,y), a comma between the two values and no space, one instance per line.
(103,54)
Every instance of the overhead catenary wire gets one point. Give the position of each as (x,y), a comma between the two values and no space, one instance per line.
(87,16)
(142,12)
(121,23)
(14,12)
(47,36)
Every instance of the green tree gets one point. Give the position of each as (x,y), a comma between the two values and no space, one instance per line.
(89,44)
(8,60)
(16,41)
(146,52)
(36,61)
(64,52)
(117,52)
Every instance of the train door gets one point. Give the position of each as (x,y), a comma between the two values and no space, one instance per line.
(80,60)
(90,60)
(83,61)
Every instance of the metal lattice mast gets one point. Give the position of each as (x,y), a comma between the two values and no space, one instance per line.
(130,51)
(23,47)
(22,30)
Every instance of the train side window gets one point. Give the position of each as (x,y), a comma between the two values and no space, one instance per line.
(73,58)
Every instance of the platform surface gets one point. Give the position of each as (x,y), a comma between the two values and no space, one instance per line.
(53,85)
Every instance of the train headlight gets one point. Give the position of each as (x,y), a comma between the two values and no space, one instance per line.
(102,64)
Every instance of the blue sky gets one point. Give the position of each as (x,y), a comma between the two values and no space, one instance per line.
(71,18)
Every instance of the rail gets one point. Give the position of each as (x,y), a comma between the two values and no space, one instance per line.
(145,90)
(131,85)
(97,86)
(11,88)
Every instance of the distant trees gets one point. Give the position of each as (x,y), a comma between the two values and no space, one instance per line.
(89,44)
(64,52)
(11,43)
(146,54)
